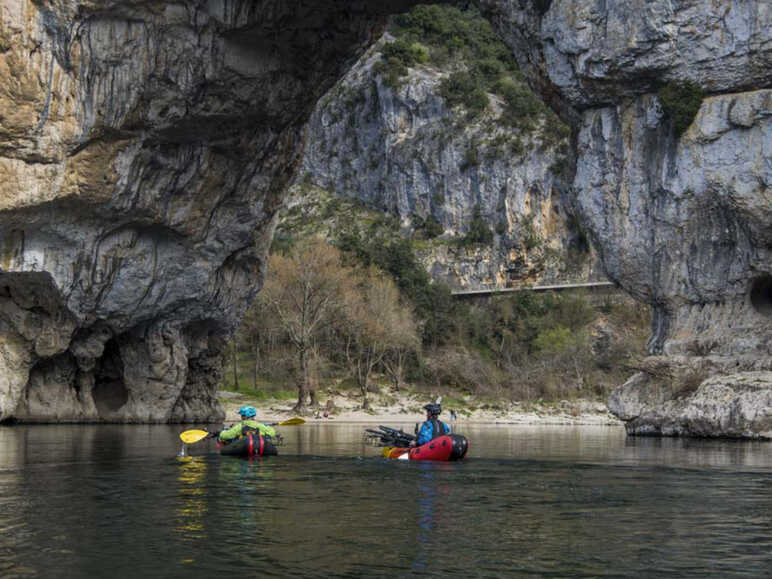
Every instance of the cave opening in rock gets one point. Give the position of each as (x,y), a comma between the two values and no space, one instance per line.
(110,392)
(761,295)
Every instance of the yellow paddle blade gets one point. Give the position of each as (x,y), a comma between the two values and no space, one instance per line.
(292,422)
(190,436)
(387,451)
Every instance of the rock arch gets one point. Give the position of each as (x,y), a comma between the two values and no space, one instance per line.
(146,151)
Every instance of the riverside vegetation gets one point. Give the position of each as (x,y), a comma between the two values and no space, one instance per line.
(347,307)
(461,41)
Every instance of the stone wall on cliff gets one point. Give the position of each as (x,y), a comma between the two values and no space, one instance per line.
(145,148)
(680,221)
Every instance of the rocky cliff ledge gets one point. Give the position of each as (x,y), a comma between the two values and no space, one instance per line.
(144,150)
(681,221)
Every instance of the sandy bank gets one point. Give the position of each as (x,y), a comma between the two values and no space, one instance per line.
(403,409)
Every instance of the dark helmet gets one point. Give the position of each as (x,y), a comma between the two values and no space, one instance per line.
(433,408)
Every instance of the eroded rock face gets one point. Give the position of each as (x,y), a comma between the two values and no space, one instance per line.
(144,151)
(697,396)
(404,151)
(690,232)
(592,52)
(682,223)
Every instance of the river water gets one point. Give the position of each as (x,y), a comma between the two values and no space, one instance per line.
(118,501)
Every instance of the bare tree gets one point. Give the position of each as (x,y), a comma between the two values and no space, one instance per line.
(255,334)
(377,325)
(405,342)
(304,291)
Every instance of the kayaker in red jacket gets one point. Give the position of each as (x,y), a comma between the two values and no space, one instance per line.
(432,427)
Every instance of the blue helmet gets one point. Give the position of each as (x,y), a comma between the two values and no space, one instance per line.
(248,411)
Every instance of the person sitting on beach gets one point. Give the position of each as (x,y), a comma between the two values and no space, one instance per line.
(247,423)
(432,427)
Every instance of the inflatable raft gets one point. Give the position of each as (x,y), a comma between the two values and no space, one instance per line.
(446,447)
(253,444)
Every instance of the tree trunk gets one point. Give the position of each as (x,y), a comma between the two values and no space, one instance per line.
(235,363)
(500,353)
(312,402)
(311,385)
(365,400)
(363,377)
(395,367)
(303,386)
(256,364)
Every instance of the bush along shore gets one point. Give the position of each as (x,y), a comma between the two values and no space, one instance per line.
(364,319)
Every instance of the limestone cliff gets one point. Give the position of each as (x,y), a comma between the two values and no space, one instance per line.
(144,151)
(681,221)
(402,148)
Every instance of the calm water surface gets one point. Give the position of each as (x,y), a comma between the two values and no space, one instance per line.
(117,501)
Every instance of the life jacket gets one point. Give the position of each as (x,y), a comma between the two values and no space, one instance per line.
(246,430)
(437,429)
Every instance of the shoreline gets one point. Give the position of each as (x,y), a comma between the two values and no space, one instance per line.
(408,410)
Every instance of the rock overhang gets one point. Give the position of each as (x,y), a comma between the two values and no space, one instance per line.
(147,147)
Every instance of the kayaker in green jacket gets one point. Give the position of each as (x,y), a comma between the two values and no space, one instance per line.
(247,423)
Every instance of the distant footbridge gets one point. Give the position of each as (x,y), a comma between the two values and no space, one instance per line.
(489,292)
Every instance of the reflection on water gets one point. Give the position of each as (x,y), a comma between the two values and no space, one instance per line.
(433,511)
(529,500)
(192,502)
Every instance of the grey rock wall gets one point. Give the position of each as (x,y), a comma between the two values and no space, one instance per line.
(682,223)
(403,151)
(592,52)
(145,148)
(690,226)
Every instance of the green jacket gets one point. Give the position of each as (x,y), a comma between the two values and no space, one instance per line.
(235,431)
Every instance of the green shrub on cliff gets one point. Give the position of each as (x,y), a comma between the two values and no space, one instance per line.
(408,53)
(681,102)
(479,232)
(398,56)
(433,228)
(521,106)
(463,88)
(471,157)
(451,32)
